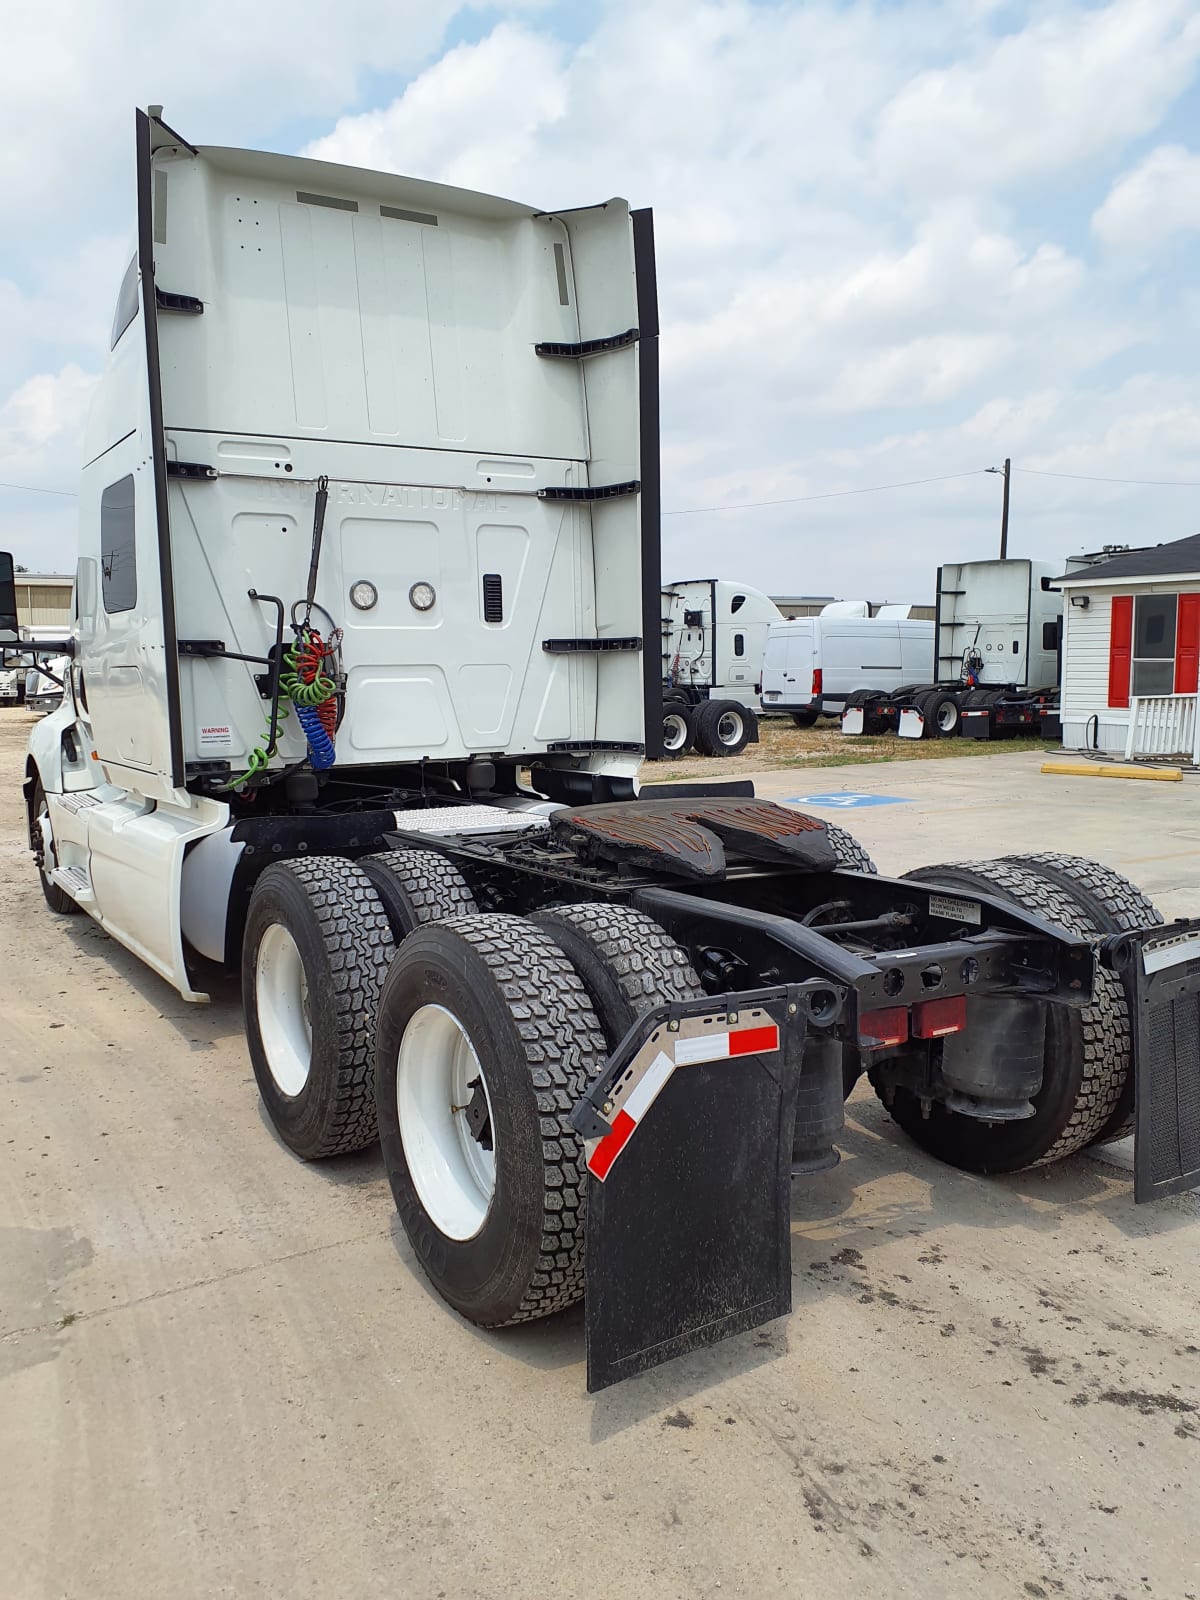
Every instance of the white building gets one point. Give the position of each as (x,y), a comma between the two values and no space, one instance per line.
(1131,630)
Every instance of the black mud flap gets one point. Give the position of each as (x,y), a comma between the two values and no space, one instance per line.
(688,1135)
(1160,968)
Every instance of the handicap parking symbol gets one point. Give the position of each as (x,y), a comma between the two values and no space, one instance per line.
(845,800)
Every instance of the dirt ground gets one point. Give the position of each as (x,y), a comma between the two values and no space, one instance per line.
(782,744)
(221,1372)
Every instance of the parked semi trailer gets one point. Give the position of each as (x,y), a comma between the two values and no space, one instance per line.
(367,655)
(997,663)
(714,631)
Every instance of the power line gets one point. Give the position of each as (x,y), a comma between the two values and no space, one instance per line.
(831,494)
(1087,477)
(33,489)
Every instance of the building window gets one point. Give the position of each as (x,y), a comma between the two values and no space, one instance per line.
(1154,643)
(739,644)
(127,303)
(118,563)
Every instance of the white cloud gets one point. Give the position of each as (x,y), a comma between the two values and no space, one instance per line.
(45,408)
(72,73)
(874,260)
(41,423)
(1080,81)
(471,87)
(1146,207)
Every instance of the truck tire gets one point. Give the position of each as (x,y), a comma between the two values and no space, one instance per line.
(1117,906)
(486,1042)
(417,886)
(679,729)
(1086,1059)
(942,713)
(849,852)
(315,950)
(628,963)
(805,719)
(725,728)
(57,899)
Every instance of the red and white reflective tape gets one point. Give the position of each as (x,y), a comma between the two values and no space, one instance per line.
(672,1051)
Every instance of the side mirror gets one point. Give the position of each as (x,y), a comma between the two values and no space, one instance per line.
(8,594)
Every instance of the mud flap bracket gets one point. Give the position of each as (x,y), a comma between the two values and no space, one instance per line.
(688,1139)
(1160,969)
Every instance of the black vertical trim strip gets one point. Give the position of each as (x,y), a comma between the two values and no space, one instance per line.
(714,677)
(145,210)
(650,474)
(937,630)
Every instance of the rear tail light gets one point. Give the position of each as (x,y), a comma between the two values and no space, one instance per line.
(818,680)
(879,1028)
(934,1019)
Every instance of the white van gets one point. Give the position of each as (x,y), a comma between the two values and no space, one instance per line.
(811,665)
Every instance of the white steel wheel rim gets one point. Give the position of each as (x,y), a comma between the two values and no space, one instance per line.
(436,1069)
(47,837)
(284,1022)
(948,718)
(729,727)
(674,731)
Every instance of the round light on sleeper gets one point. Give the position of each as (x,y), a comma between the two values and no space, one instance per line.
(422,596)
(363,595)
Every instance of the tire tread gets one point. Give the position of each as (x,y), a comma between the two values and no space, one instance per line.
(358,945)
(645,961)
(433,885)
(848,850)
(564,1050)
(1106,1039)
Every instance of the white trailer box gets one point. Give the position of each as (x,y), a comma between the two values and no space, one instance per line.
(812,665)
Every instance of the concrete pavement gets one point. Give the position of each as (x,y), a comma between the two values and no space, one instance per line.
(221,1372)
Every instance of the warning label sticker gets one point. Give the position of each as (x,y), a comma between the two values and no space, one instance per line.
(954,910)
(214,736)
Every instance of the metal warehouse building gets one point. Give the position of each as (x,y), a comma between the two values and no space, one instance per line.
(1131,652)
(44,599)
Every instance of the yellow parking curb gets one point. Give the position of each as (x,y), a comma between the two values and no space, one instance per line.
(1095,769)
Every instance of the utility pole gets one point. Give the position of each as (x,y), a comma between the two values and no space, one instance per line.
(1006,469)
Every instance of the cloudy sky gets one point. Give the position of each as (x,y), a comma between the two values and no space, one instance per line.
(897,240)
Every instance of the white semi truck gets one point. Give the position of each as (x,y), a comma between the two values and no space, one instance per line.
(714,632)
(997,663)
(366,658)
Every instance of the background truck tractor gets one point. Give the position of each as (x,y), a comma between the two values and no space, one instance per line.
(714,631)
(358,691)
(997,661)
